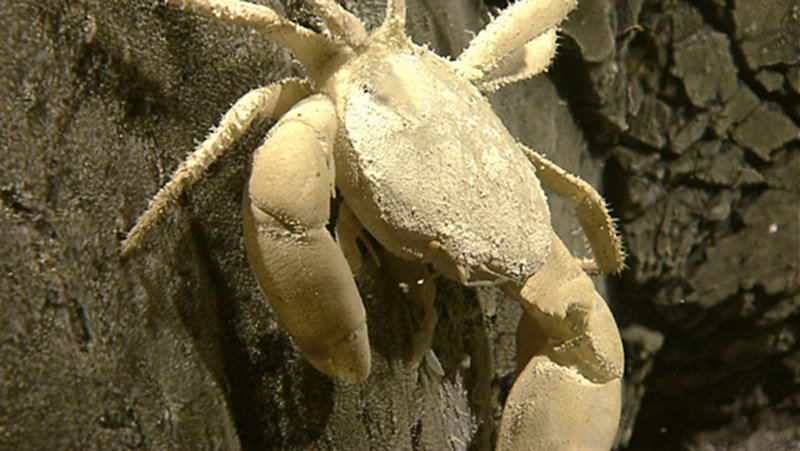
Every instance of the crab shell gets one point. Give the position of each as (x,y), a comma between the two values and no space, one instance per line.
(431,171)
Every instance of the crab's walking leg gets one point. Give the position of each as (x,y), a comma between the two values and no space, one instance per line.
(299,266)
(342,24)
(269,101)
(529,60)
(518,44)
(592,212)
(310,48)
(417,283)
(568,394)
(420,289)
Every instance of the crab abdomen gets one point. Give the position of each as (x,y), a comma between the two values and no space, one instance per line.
(432,172)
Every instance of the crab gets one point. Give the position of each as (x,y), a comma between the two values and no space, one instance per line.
(426,168)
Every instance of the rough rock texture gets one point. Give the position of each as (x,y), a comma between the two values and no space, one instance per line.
(685,112)
(698,110)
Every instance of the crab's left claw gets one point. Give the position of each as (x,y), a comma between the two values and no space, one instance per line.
(568,395)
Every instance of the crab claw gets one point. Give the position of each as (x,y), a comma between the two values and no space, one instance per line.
(298,265)
(568,395)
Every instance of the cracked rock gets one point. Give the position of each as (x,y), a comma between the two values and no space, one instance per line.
(771,81)
(793,77)
(768,31)
(590,26)
(764,254)
(737,108)
(683,133)
(765,130)
(704,63)
(647,126)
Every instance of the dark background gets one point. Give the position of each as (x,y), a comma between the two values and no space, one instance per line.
(684,113)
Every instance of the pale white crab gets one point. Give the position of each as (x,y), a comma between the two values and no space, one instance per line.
(428,169)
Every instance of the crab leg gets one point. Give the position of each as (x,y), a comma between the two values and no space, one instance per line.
(516,27)
(299,266)
(419,284)
(343,25)
(568,394)
(311,49)
(592,212)
(269,101)
(525,62)
(396,14)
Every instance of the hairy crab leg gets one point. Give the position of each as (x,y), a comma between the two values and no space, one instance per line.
(299,266)
(416,282)
(515,27)
(396,14)
(568,395)
(592,213)
(343,25)
(269,101)
(531,59)
(312,49)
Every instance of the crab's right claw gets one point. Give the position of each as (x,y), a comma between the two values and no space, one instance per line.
(568,395)
(299,266)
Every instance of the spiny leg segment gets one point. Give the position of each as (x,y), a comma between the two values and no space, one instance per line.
(312,49)
(269,101)
(396,13)
(342,24)
(592,212)
(516,45)
(524,63)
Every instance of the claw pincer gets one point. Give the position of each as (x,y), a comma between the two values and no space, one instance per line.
(567,394)
(299,266)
